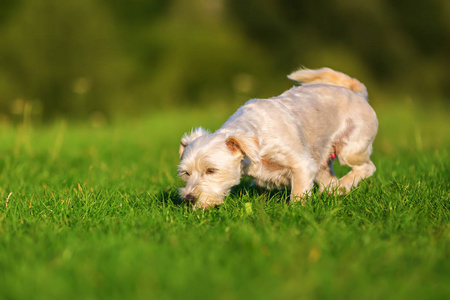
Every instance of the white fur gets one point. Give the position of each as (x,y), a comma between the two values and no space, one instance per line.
(285,141)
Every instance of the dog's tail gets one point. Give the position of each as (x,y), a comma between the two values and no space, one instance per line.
(329,76)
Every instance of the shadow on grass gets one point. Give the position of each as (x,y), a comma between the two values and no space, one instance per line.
(245,191)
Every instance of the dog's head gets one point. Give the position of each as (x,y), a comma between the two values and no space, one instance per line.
(211,164)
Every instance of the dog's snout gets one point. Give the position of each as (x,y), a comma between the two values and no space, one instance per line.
(190,199)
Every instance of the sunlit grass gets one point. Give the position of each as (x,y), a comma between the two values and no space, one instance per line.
(93,213)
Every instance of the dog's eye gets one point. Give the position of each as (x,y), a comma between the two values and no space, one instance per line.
(210,171)
(184,173)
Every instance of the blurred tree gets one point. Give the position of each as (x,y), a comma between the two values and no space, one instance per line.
(200,55)
(190,54)
(77,57)
(63,56)
(6,8)
(399,43)
(132,13)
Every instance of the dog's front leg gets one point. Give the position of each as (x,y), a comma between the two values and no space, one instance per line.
(301,185)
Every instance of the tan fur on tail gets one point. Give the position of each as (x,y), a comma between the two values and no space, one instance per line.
(328,76)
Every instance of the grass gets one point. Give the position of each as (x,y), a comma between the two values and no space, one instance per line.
(92,213)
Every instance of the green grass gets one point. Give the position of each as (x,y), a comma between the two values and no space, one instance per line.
(92,213)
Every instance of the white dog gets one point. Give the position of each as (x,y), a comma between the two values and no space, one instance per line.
(289,140)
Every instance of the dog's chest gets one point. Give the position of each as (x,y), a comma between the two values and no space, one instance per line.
(269,174)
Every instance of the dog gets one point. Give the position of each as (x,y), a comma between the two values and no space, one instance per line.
(286,141)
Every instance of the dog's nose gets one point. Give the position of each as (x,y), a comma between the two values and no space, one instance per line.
(190,199)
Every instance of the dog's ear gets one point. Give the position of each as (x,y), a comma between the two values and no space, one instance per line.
(244,145)
(190,137)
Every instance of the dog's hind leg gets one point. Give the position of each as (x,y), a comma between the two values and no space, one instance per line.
(359,160)
(354,148)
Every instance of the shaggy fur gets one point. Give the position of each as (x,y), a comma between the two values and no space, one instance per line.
(289,140)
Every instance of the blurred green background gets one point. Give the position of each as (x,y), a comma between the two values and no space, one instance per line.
(101,59)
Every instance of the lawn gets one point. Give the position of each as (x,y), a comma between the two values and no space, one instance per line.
(90,211)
